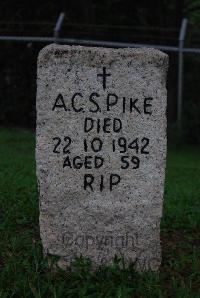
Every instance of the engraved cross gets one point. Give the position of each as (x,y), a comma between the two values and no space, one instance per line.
(104,75)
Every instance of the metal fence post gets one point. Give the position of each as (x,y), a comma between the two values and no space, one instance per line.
(58,26)
(180,72)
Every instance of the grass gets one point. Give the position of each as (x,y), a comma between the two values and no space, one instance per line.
(25,273)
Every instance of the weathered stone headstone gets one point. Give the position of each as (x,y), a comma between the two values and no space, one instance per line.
(101,149)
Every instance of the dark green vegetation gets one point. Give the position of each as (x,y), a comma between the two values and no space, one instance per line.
(25,273)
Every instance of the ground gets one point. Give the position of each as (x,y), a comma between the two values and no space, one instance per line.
(25,273)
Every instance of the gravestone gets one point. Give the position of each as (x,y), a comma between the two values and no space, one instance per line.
(100,153)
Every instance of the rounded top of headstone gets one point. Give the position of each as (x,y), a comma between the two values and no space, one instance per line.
(148,56)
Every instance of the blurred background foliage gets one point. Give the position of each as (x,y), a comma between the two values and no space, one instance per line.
(144,21)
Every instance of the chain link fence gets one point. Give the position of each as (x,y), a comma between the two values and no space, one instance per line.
(21,42)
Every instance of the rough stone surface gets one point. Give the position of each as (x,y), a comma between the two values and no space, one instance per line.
(119,211)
